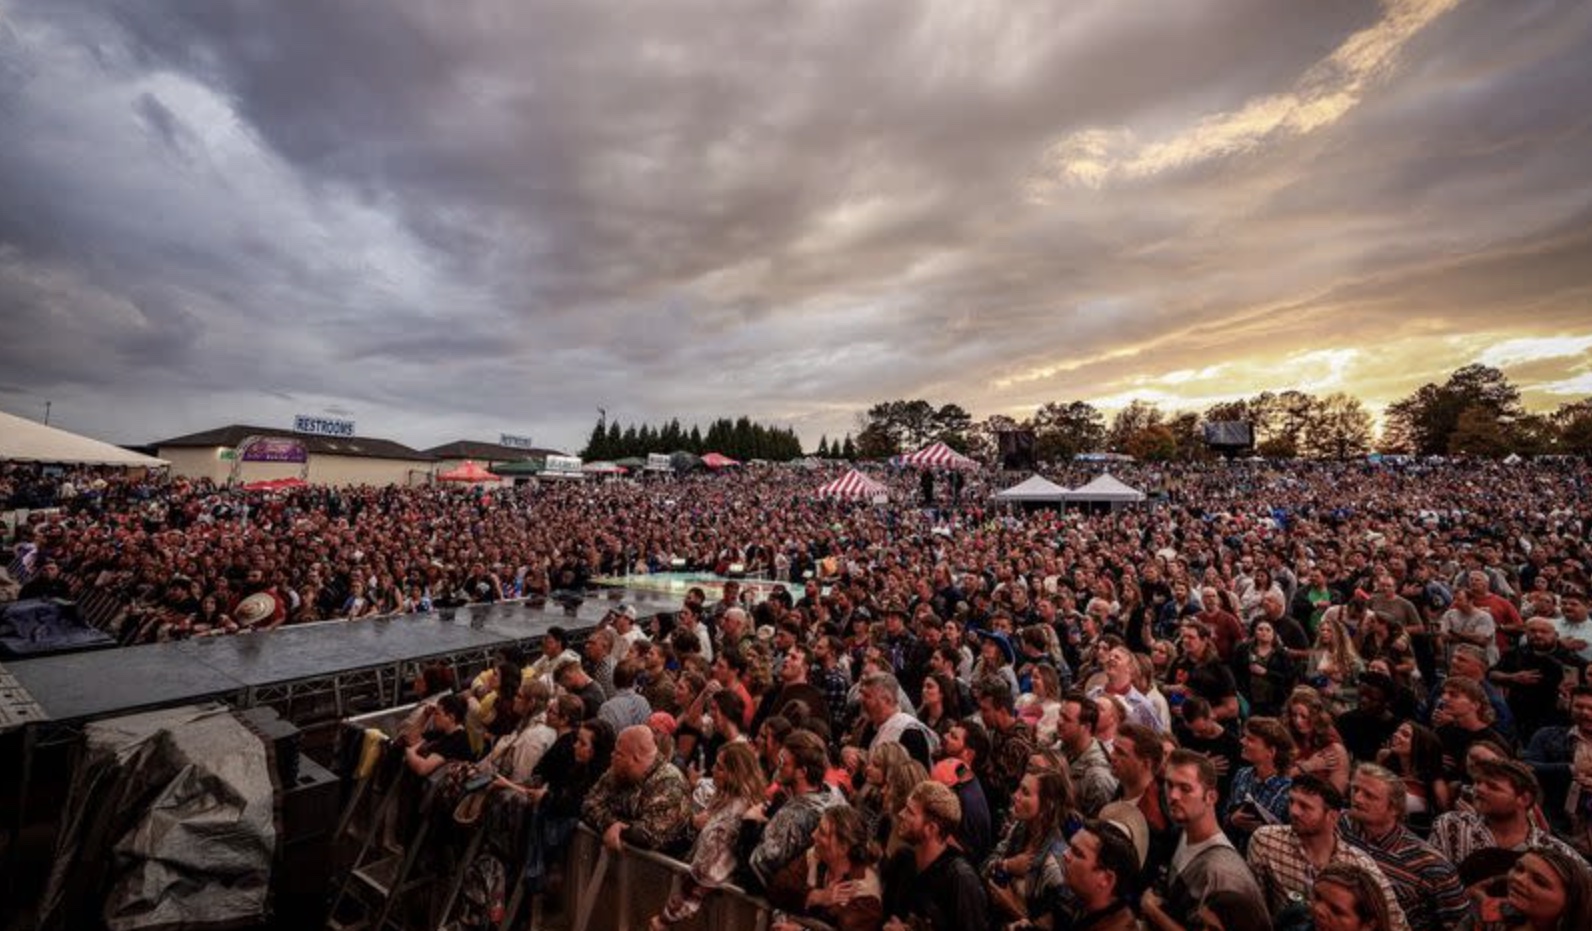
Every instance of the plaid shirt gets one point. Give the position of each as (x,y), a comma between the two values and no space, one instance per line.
(1270,793)
(1426,883)
(837,688)
(1286,874)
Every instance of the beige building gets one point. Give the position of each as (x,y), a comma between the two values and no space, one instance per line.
(332,460)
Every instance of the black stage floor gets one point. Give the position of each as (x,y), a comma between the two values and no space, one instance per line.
(81,686)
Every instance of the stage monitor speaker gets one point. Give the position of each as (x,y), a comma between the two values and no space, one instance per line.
(310,802)
(1017,450)
(282,735)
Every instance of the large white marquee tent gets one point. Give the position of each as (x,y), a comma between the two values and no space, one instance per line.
(1105,489)
(1036,490)
(24,440)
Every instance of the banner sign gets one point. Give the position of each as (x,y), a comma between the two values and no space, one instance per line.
(273,449)
(321,426)
(659,462)
(517,442)
(563,464)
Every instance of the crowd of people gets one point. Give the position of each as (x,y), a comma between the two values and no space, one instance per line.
(1332,695)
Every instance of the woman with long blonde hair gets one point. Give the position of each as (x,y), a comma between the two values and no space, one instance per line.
(739,785)
(891,775)
(1334,665)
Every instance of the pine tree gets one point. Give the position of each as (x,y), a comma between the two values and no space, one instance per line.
(598,441)
(848,449)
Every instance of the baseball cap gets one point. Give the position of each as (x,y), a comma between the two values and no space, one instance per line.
(951,772)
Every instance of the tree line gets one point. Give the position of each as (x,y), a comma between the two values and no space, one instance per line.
(1475,412)
(739,439)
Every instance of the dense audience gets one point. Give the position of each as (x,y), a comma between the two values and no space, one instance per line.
(1334,695)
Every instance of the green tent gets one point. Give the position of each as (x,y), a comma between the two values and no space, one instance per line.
(683,461)
(520,468)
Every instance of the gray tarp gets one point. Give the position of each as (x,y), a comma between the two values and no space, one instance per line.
(170,823)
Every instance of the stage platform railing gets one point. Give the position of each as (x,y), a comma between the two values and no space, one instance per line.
(297,670)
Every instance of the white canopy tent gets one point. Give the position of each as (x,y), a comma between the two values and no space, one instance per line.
(1105,489)
(1036,489)
(24,440)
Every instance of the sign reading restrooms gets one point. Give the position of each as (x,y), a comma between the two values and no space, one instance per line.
(322,426)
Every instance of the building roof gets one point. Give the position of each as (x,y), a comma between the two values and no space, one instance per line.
(363,447)
(490,452)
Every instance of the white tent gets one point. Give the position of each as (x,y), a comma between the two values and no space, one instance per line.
(1036,489)
(1106,489)
(24,440)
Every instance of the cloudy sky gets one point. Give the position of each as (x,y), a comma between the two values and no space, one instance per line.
(457,219)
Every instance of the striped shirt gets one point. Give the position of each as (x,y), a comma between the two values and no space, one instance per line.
(1286,875)
(1426,883)
(1458,834)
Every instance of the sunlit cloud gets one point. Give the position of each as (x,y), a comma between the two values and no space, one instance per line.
(1322,370)
(1321,97)
(1578,385)
(1531,349)
(1185,376)
(1315,371)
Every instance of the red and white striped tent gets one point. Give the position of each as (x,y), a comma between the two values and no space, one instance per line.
(718,461)
(938,456)
(853,485)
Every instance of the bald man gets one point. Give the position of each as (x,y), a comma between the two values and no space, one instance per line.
(642,800)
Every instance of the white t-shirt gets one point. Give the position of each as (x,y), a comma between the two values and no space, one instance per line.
(1571,631)
(1476,621)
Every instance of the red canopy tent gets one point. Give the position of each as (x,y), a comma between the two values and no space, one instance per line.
(853,485)
(938,456)
(275,484)
(718,461)
(471,471)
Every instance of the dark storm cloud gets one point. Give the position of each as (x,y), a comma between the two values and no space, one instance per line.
(447,217)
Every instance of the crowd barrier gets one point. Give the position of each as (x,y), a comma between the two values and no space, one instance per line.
(604,890)
(620,891)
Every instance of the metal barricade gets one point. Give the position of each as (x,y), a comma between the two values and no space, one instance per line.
(611,891)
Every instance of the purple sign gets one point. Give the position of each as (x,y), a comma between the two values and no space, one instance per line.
(273,449)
